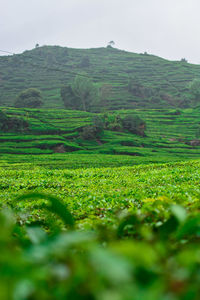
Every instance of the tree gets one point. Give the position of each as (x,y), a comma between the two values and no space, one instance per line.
(93,131)
(3,119)
(29,98)
(197,133)
(81,94)
(105,92)
(184,60)
(194,88)
(111,44)
(68,97)
(85,62)
(112,121)
(12,124)
(85,91)
(135,87)
(134,124)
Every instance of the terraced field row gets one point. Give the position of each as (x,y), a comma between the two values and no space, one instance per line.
(169,135)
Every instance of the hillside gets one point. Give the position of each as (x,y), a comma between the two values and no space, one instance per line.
(135,80)
(170,136)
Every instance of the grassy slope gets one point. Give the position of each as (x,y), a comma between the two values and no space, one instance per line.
(167,134)
(40,68)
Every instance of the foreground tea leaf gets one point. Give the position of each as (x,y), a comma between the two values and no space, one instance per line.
(54,206)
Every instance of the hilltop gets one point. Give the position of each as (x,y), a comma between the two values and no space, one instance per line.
(135,80)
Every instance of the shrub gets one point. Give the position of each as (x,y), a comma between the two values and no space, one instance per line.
(12,124)
(89,133)
(93,131)
(134,124)
(112,122)
(29,98)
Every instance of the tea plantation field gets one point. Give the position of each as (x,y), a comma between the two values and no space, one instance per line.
(127,233)
(169,136)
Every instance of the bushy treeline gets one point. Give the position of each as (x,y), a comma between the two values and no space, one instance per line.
(12,124)
(111,121)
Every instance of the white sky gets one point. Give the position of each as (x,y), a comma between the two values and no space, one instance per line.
(167,28)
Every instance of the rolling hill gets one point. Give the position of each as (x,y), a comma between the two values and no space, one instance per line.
(135,80)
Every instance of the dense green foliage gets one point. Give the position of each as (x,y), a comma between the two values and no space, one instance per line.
(82,94)
(29,98)
(134,80)
(194,87)
(134,124)
(12,124)
(112,233)
(170,135)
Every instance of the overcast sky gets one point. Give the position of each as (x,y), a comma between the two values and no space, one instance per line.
(167,28)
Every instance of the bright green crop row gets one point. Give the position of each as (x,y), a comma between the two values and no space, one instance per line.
(109,188)
(129,233)
(168,135)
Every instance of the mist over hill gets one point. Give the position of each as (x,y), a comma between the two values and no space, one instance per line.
(133,80)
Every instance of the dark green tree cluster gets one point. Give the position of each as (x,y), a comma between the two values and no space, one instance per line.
(197,133)
(105,92)
(93,131)
(31,98)
(136,88)
(194,88)
(134,124)
(81,94)
(114,122)
(85,62)
(12,124)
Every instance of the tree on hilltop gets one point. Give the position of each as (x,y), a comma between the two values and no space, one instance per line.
(111,44)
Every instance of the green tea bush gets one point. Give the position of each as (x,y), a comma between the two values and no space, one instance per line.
(151,252)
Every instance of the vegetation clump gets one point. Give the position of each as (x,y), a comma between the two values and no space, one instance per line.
(194,88)
(134,124)
(12,124)
(31,98)
(93,131)
(80,95)
(114,122)
(131,122)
